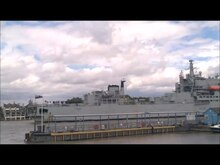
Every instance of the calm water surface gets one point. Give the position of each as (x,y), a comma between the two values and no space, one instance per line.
(13,132)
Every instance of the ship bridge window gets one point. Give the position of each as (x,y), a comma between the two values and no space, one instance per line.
(44,111)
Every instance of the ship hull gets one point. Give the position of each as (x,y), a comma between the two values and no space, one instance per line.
(115,108)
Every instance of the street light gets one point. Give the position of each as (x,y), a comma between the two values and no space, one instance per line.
(41,110)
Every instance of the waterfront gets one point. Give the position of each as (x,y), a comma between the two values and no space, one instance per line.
(13,132)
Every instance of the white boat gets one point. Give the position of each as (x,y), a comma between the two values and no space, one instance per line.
(215,128)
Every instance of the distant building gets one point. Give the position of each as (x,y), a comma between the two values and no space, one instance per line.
(13,112)
(212,116)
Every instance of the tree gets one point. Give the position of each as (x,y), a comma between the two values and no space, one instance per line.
(74,100)
(1,113)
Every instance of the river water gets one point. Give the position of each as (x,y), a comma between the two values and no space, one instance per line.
(13,132)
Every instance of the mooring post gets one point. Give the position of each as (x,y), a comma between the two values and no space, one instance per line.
(127,120)
(168,119)
(118,120)
(175,119)
(55,124)
(145,119)
(108,123)
(100,127)
(75,123)
(83,123)
(136,120)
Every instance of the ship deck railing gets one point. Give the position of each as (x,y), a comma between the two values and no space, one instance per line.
(62,123)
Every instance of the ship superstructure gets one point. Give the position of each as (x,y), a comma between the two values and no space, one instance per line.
(199,89)
(194,88)
(114,95)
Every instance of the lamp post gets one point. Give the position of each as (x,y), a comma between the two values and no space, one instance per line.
(41,110)
(42,115)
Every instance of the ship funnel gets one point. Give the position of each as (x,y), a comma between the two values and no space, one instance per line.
(122,86)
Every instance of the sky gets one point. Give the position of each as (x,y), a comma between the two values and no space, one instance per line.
(64,59)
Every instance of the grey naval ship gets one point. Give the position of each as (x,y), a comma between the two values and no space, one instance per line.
(193,93)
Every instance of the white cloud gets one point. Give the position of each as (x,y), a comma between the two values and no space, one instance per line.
(129,31)
(150,55)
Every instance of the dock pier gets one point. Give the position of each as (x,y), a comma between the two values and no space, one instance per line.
(71,136)
(92,126)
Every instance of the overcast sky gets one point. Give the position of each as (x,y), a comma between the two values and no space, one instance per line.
(65,59)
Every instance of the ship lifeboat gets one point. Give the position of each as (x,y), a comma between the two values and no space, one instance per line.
(214,88)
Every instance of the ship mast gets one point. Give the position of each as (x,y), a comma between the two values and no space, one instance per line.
(191,76)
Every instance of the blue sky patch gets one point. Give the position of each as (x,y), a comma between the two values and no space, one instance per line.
(210,33)
(20,48)
(36,57)
(190,37)
(196,58)
(180,65)
(32,23)
(3,45)
(176,48)
(206,33)
(81,66)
